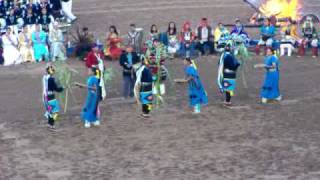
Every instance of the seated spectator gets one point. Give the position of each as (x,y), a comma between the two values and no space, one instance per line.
(310,38)
(187,41)
(25,45)
(238,32)
(113,44)
(45,20)
(173,43)
(221,36)
(40,47)
(11,53)
(267,32)
(11,21)
(84,42)
(205,37)
(57,49)
(289,37)
(30,19)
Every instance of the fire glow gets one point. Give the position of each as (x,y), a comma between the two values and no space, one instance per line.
(281,9)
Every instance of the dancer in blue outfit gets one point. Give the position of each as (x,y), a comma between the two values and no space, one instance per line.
(227,72)
(270,89)
(90,113)
(196,91)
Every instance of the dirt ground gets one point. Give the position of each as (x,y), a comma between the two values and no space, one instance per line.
(250,142)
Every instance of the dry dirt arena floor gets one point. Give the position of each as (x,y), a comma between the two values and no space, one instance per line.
(250,142)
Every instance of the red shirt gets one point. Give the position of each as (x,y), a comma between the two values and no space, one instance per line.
(91,59)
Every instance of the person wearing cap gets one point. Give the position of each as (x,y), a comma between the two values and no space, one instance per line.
(204,35)
(11,52)
(270,90)
(227,72)
(50,87)
(57,48)
(127,59)
(91,114)
(310,37)
(40,47)
(25,45)
(143,87)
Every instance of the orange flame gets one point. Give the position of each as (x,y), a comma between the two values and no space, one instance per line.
(281,8)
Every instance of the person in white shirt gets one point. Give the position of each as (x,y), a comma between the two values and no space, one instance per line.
(11,53)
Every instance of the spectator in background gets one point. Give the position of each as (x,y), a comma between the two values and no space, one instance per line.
(67,10)
(40,48)
(267,32)
(25,45)
(205,37)
(57,49)
(11,53)
(127,59)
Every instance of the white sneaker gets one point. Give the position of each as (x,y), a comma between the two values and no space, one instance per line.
(264,100)
(96,123)
(87,124)
(279,98)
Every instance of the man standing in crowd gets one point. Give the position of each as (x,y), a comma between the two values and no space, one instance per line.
(127,59)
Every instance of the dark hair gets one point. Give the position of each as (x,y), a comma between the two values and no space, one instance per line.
(114,28)
(132,25)
(153,26)
(85,29)
(188,59)
(174,28)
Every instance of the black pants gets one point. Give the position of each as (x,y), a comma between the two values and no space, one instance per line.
(205,47)
(50,121)
(228,97)
(145,109)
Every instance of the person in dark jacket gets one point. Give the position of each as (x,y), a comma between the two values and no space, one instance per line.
(204,35)
(127,59)
(144,88)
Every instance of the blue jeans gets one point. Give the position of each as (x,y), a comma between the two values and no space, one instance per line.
(128,86)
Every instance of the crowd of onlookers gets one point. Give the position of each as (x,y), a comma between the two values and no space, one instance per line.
(30,29)
(287,37)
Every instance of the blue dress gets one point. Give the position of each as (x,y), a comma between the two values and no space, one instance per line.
(90,111)
(39,40)
(270,88)
(197,93)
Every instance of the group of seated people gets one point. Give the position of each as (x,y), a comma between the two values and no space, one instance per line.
(204,39)
(18,13)
(30,30)
(32,46)
(185,43)
(290,40)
